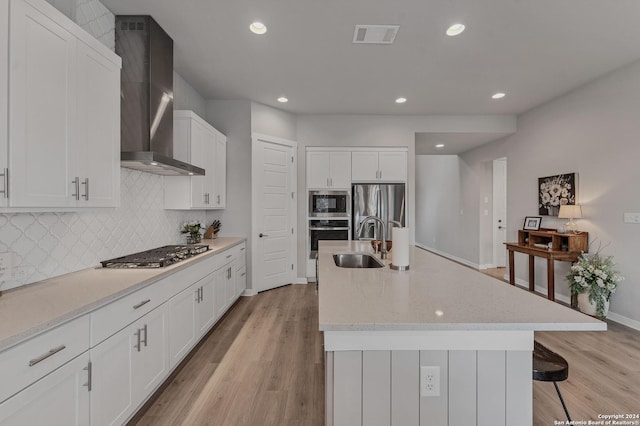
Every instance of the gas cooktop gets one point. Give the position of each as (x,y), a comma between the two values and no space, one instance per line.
(157,257)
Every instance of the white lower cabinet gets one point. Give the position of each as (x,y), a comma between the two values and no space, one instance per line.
(241,280)
(127,367)
(61,398)
(191,314)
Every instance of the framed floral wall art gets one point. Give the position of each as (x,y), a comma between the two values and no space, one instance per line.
(554,191)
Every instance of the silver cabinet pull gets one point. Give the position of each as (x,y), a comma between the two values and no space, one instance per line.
(89,371)
(5,178)
(218,199)
(141,304)
(137,346)
(243,274)
(86,189)
(45,356)
(380,174)
(242,248)
(76,182)
(229,255)
(145,335)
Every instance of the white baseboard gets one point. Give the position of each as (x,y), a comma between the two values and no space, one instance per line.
(449,256)
(631,323)
(488,266)
(249,292)
(301,280)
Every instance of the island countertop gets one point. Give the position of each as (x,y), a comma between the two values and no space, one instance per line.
(434,294)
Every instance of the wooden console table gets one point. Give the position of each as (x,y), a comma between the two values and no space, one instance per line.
(547,244)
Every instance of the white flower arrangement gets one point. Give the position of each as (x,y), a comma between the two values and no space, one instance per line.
(594,274)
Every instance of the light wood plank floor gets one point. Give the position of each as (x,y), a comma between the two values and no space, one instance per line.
(262,365)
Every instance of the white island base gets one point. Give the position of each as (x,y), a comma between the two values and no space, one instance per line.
(382,326)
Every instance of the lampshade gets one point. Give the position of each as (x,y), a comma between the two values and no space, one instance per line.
(570,212)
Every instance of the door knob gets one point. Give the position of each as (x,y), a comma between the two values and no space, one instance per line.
(262,235)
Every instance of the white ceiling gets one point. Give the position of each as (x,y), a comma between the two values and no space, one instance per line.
(534,50)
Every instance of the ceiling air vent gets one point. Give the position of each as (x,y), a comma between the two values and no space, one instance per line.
(375,34)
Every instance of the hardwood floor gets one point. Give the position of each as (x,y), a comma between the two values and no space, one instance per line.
(263,365)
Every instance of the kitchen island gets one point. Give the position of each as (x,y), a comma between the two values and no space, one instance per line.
(473,333)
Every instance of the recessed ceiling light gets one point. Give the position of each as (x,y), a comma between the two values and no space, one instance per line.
(401,100)
(498,95)
(440,145)
(258,28)
(455,29)
(282,99)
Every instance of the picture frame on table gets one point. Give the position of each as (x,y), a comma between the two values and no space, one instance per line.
(532,223)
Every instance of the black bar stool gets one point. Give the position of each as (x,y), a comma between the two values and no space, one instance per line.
(548,366)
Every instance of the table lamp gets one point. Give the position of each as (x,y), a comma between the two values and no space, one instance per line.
(570,212)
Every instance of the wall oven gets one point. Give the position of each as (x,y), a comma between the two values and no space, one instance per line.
(330,229)
(329,204)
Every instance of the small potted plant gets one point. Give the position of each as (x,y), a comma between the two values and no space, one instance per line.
(193,231)
(593,280)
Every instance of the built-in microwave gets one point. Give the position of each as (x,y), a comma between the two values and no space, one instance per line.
(329,204)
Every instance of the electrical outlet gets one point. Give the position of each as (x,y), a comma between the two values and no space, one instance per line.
(429,381)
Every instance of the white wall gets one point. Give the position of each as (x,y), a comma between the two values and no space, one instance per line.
(594,132)
(186,97)
(272,121)
(233,118)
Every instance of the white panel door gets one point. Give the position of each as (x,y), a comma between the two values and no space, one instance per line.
(61,398)
(182,324)
(4,84)
(201,156)
(150,357)
(364,165)
(274,209)
(98,128)
(392,166)
(499,212)
(205,308)
(42,102)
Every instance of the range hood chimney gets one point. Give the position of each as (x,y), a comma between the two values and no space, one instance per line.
(147,98)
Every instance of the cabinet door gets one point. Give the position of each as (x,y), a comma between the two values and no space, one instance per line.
(150,363)
(42,101)
(318,170)
(364,166)
(340,170)
(4,82)
(201,150)
(112,398)
(60,398)
(182,324)
(220,193)
(98,128)
(231,283)
(220,292)
(241,280)
(393,166)
(205,308)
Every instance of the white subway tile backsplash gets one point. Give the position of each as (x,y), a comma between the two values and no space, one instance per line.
(52,244)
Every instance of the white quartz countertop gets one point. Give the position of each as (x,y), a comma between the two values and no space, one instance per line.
(434,294)
(30,310)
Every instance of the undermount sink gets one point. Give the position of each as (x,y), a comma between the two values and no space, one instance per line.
(357,260)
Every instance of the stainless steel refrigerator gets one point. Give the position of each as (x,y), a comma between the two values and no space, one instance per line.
(387,201)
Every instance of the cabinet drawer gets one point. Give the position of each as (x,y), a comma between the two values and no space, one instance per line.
(26,363)
(239,254)
(115,316)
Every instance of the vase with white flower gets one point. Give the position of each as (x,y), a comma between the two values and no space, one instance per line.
(193,230)
(593,280)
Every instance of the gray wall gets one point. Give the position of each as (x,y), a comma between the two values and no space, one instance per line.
(594,132)
(185,97)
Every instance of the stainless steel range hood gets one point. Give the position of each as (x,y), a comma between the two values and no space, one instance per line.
(147,98)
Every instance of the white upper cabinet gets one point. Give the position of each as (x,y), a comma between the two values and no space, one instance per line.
(328,170)
(196,142)
(387,166)
(63,109)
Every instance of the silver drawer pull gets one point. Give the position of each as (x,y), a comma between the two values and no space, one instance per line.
(47,355)
(243,274)
(229,255)
(88,369)
(141,304)
(242,249)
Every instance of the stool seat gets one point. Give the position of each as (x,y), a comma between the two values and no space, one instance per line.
(548,366)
